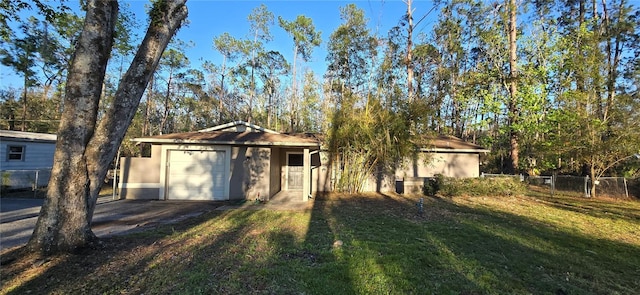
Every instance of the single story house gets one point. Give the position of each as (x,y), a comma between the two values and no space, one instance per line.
(27,158)
(233,161)
(239,160)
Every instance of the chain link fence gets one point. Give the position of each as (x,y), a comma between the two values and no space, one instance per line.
(614,187)
(24,179)
(611,187)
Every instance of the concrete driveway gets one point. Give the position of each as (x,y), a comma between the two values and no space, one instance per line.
(18,216)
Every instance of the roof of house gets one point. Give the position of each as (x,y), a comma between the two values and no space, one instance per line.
(243,133)
(446,143)
(231,138)
(239,126)
(441,143)
(27,136)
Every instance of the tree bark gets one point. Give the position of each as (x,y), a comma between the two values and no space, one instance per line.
(167,102)
(85,149)
(293,104)
(221,99)
(592,176)
(112,128)
(147,112)
(409,58)
(64,224)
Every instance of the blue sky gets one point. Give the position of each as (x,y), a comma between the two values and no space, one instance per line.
(210,18)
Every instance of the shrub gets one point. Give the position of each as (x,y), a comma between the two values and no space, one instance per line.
(432,185)
(453,187)
(6,180)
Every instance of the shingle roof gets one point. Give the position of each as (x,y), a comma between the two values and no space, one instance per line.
(234,138)
(266,137)
(452,143)
(236,124)
(27,136)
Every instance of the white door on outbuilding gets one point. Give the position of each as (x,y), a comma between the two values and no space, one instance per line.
(197,175)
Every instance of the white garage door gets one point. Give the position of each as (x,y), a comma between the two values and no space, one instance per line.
(196,175)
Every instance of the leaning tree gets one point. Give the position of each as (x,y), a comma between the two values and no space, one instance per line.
(86,146)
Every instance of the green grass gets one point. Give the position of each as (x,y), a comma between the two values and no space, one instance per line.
(533,244)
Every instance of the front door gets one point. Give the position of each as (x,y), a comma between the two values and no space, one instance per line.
(295,171)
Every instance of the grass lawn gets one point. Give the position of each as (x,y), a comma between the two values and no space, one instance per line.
(365,244)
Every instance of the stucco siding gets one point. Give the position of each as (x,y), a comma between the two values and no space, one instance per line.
(411,173)
(139,178)
(380,183)
(250,171)
(274,173)
(458,165)
(322,177)
(140,170)
(320,172)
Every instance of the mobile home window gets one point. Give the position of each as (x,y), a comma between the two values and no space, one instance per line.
(15,153)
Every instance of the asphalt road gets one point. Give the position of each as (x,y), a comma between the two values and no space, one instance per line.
(112,217)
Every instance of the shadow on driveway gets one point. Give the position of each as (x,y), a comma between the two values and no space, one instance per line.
(111,217)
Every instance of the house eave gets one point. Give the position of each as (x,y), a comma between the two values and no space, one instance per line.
(214,142)
(20,136)
(15,139)
(466,151)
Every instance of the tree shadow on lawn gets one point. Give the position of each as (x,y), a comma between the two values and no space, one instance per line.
(118,264)
(457,248)
(371,244)
(626,209)
(365,244)
(540,255)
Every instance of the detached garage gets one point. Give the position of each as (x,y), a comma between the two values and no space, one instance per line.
(234,161)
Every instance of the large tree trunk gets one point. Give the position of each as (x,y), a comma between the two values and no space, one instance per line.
(64,224)
(84,152)
(111,130)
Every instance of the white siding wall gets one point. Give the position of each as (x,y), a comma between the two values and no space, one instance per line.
(38,155)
